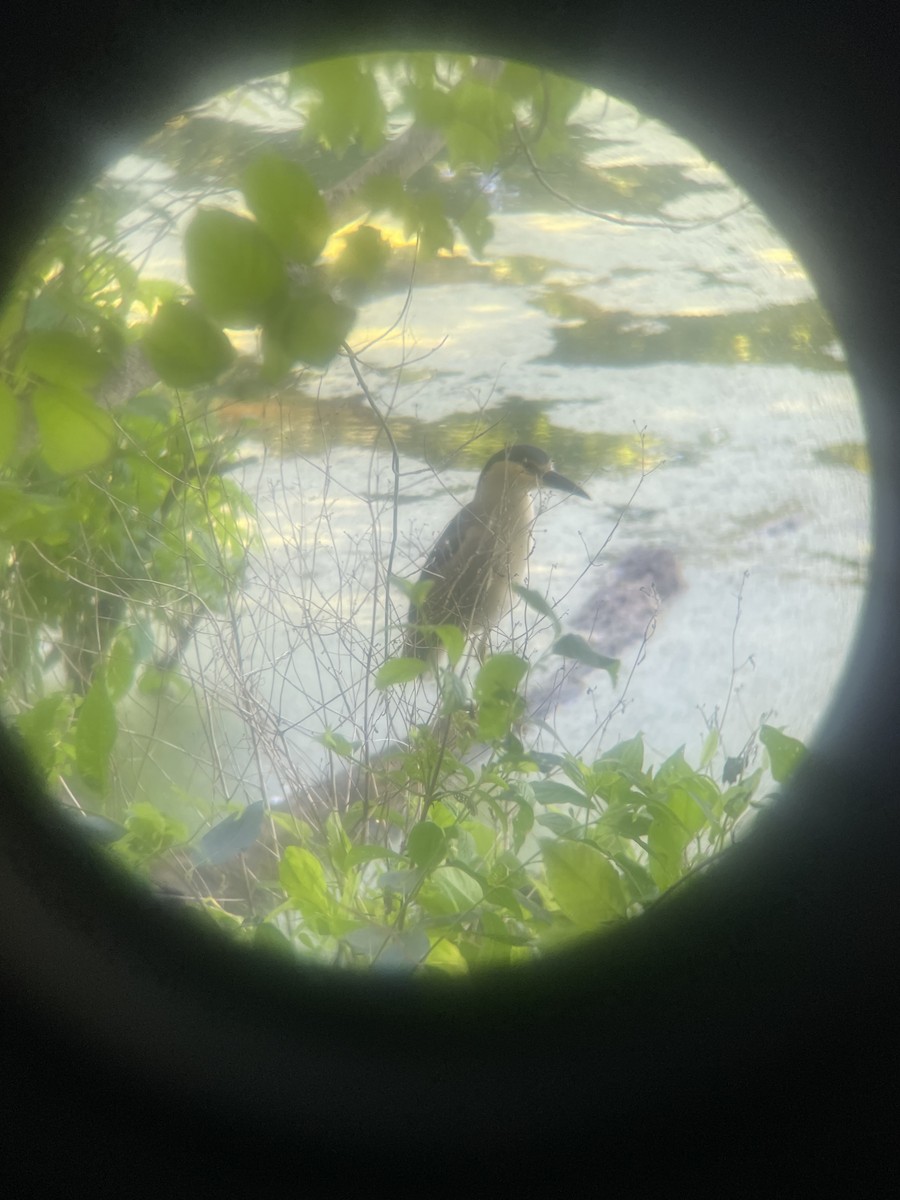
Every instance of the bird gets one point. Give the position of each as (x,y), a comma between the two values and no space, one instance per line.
(483,552)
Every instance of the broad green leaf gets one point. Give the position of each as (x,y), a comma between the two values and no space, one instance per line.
(426,845)
(499,704)
(231,837)
(64,358)
(500,674)
(120,666)
(785,753)
(399,670)
(32,515)
(10,420)
(689,812)
(573,646)
(449,890)
(150,832)
(350,109)
(311,327)
(628,754)
(74,433)
(339,844)
(627,823)
(454,641)
(185,347)
(548,791)
(44,726)
(234,268)
(539,603)
(303,878)
(674,769)
(364,854)
(96,730)
(584,883)
(710,746)
(559,823)
(454,695)
(446,957)
(666,840)
(468,144)
(288,206)
(736,799)
(337,743)
(427,218)
(365,255)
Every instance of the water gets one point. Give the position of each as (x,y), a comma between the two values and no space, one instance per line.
(736,427)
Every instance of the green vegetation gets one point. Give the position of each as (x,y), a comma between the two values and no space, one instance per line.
(122,532)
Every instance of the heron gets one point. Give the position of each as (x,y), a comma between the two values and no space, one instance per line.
(484,551)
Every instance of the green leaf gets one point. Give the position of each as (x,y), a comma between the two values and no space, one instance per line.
(64,358)
(627,754)
(288,206)
(310,327)
(96,730)
(336,743)
(351,108)
(231,837)
(499,705)
(548,791)
(120,666)
(426,845)
(150,832)
(74,433)
(446,957)
(364,854)
(454,641)
(303,878)
(500,675)
(559,823)
(584,883)
(710,746)
(666,840)
(573,646)
(234,268)
(185,347)
(44,726)
(365,255)
(448,890)
(539,603)
(10,420)
(399,670)
(785,753)
(686,808)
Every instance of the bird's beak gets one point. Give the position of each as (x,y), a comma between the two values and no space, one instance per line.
(553,479)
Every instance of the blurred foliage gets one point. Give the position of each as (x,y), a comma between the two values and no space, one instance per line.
(464,850)
(120,530)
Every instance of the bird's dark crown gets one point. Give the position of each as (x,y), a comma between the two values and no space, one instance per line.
(531,457)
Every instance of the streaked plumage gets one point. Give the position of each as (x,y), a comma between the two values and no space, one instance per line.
(484,550)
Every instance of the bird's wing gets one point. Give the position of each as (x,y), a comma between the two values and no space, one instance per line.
(451,544)
(454,592)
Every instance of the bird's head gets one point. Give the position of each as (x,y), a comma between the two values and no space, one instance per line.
(523,469)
